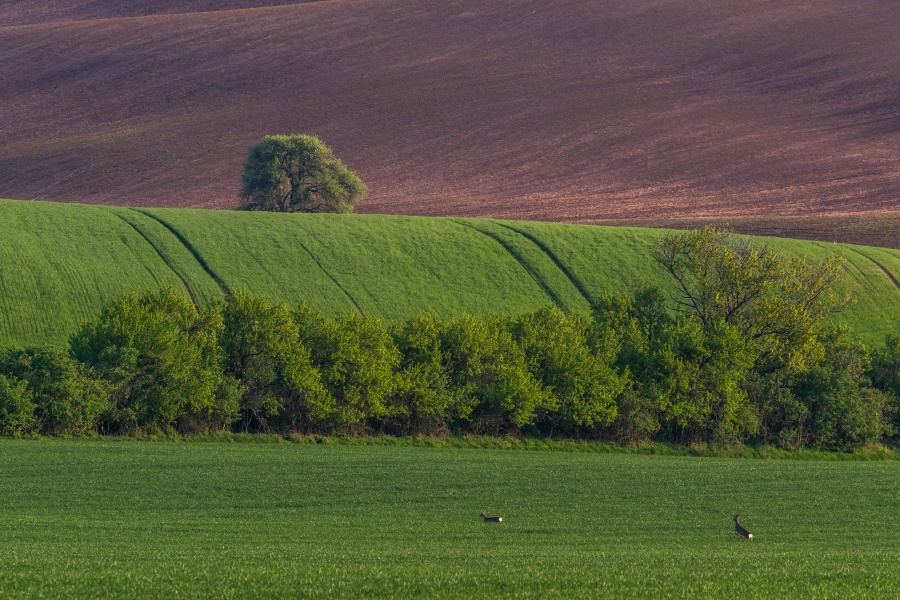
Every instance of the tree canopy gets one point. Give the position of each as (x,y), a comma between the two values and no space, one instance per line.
(298,173)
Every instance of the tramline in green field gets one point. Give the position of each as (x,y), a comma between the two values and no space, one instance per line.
(60,263)
(92,518)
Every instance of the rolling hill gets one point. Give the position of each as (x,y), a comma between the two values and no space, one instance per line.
(60,263)
(576,110)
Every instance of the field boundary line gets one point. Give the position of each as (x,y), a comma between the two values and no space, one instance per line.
(530,270)
(559,264)
(190,248)
(162,256)
(331,277)
(880,266)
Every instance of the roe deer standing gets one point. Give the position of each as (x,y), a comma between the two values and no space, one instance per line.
(488,519)
(739,529)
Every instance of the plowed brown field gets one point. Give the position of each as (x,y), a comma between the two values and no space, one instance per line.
(574,110)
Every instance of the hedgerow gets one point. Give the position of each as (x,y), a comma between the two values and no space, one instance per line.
(729,361)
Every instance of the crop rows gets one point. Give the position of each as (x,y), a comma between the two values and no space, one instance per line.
(59,263)
(148,519)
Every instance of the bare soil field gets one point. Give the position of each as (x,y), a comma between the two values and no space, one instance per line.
(866,229)
(573,110)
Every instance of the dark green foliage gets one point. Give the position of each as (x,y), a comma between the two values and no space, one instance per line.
(298,173)
(885,371)
(66,399)
(844,411)
(885,375)
(162,360)
(783,416)
(262,351)
(16,407)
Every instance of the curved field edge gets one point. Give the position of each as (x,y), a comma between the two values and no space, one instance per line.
(60,263)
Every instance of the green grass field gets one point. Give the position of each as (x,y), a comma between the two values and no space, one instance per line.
(108,518)
(60,263)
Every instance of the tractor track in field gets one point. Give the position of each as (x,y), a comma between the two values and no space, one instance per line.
(190,248)
(559,264)
(526,266)
(882,267)
(163,257)
(332,278)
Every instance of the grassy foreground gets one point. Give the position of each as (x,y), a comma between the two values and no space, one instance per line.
(126,518)
(60,263)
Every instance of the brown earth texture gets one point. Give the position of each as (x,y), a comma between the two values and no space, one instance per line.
(571,110)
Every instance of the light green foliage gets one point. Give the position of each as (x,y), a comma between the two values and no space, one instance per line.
(582,384)
(356,357)
(491,372)
(298,173)
(425,398)
(262,351)
(92,519)
(777,302)
(67,399)
(163,360)
(16,407)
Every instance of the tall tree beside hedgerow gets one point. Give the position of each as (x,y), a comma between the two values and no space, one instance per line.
(298,173)
(163,361)
(780,304)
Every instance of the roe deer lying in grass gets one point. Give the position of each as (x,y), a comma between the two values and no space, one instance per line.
(488,519)
(739,529)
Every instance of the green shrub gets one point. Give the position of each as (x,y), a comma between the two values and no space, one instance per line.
(845,411)
(497,392)
(262,350)
(67,399)
(426,401)
(357,359)
(582,385)
(163,360)
(16,407)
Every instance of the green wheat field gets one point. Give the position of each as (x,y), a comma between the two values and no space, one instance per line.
(126,518)
(61,263)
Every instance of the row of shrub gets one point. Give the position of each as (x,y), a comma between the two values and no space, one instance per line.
(741,350)
(633,371)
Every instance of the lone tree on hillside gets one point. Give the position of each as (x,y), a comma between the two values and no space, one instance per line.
(298,173)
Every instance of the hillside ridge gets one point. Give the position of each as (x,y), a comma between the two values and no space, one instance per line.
(61,263)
